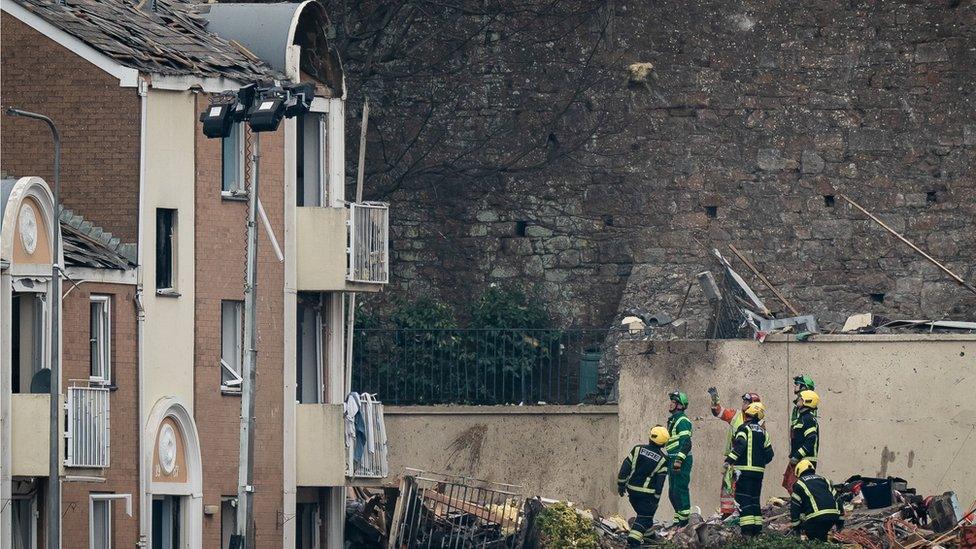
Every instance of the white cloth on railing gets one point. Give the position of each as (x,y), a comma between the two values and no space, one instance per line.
(365,430)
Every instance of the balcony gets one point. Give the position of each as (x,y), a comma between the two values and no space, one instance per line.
(88,428)
(343,249)
(30,434)
(320,446)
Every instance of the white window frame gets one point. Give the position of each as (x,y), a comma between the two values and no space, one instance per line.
(234,385)
(104,369)
(93,500)
(239,191)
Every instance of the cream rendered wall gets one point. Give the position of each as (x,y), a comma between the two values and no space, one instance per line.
(168,343)
(890,405)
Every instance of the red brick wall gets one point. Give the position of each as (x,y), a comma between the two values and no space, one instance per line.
(98,121)
(123,475)
(220,270)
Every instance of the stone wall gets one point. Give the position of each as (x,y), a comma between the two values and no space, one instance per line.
(755,117)
(890,405)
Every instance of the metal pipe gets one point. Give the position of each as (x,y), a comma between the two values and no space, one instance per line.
(145,504)
(245,473)
(54,461)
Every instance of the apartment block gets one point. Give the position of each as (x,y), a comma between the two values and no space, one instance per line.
(152,222)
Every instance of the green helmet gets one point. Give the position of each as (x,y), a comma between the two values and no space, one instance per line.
(680,398)
(804,381)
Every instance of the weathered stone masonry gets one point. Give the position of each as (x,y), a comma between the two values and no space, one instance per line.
(757,115)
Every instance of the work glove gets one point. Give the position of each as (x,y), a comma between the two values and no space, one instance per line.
(621,490)
(713,392)
(676,465)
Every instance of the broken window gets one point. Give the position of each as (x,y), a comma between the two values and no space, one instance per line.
(311,160)
(165,249)
(307,526)
(100,523)
(228,520)
(29,337)
(232,162)
(101,339)
(25,517)
(308,385)
(231,345)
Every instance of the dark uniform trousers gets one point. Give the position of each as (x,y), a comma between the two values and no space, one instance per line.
(816,529)
(645,505)
(747,494)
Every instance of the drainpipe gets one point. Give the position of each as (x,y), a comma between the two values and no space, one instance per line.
(145,539)
(54,457)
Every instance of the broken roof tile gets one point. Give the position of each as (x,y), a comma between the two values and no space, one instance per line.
(163,37)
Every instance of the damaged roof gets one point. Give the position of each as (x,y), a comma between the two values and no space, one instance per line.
(87,245)
(163,37)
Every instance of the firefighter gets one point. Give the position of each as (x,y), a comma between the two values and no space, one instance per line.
(814,508)
(734,418)
(750,453)
(805,430)
(679,455)
(641,477)
(800,383)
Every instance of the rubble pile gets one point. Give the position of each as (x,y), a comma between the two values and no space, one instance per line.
(461,513)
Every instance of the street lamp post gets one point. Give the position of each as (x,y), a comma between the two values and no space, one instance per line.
(54,478)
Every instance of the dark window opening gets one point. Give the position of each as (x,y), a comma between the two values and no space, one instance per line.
(520,227)
(829,200)
(877,297)
(932,197)
(711,211)
(165,247)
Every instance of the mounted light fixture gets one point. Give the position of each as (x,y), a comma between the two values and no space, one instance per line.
(261,107)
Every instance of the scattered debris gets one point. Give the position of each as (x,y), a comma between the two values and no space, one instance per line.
(440,510)
(867,323)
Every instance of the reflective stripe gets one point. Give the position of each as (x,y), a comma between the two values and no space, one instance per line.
(636,535)
(795,523)
(680,455)
(822,513)
(802,452)
(641,489)
(813,502)
(749,520)
(796,496)
(750,468)
(733,456)
(682,433)
(810,430)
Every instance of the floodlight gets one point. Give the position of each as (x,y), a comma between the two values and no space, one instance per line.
(299,99)
(218,119)
(267,111)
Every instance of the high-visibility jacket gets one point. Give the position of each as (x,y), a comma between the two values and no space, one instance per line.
(732,417)
(679,445)
(795,414)
(813,497)
(644,469)
(751,450)
(805,437)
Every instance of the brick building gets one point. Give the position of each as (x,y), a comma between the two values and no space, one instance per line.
(152,331)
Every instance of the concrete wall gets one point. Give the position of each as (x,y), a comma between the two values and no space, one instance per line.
(564,452)
(168,343)
(890,405)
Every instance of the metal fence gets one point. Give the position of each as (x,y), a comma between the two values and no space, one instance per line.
(448,511)
(478,366)
(369,242)
(87,429)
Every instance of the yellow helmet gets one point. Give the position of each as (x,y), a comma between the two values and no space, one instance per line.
(803,466)
(756,410)
(810,399)
(659,435)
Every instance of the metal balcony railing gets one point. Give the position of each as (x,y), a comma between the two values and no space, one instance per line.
(369,242)
(366,451)
(87,430)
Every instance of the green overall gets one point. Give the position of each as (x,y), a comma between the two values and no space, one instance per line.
(679,448)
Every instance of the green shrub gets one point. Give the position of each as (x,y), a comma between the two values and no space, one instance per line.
(560,526)
(779,541)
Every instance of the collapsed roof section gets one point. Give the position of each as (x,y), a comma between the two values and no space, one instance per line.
(87,245)
(165,37)
(291,37)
